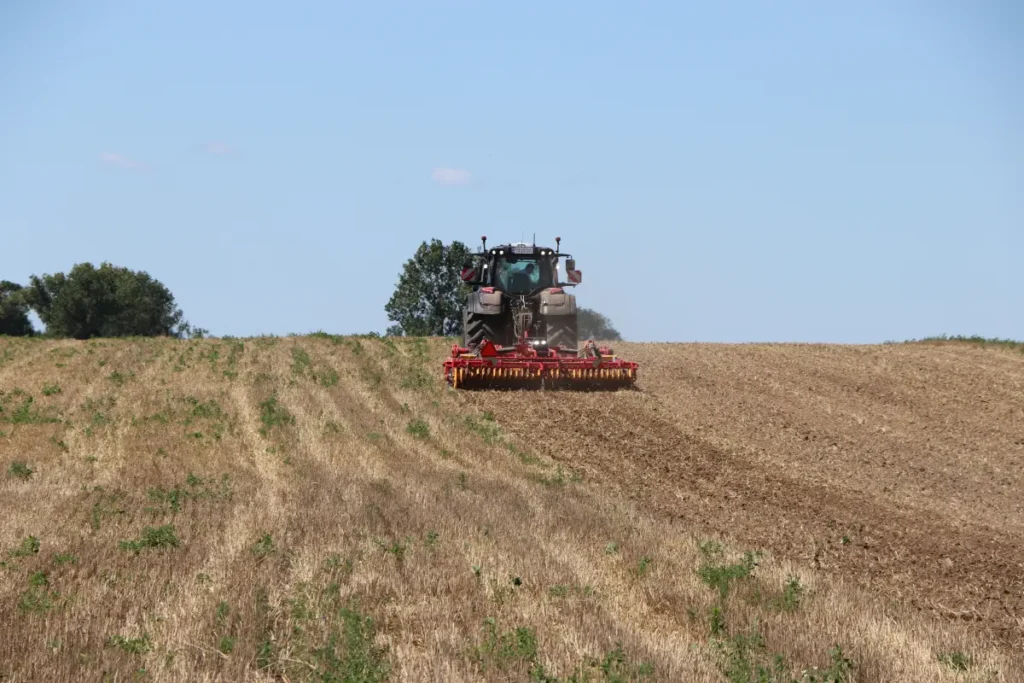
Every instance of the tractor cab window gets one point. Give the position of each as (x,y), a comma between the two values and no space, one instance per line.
(519,276)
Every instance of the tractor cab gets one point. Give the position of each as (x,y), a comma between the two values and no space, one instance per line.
(522,274)
(518,269)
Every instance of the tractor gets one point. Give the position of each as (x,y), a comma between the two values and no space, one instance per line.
(519,324)
(517,294)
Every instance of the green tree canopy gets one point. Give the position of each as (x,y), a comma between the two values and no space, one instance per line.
(109,301)
(593,325)
(430,294)
(14,319)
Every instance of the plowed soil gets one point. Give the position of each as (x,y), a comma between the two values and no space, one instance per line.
(896,466)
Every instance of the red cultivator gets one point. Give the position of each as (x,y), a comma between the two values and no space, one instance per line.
(534,366)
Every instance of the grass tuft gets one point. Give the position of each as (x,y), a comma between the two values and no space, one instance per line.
(153,537)
(274,414)
(350,654)
(419,429)
(132,646)
(20,469)
(956,660)
(719,575)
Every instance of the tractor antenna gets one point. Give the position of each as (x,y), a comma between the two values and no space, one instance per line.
(483,238)
(534,239)
(558,245)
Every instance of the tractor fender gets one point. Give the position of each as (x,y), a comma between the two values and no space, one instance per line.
(484,303)
(557,302)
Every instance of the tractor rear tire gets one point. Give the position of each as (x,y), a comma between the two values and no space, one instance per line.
(561,329)
(477,327)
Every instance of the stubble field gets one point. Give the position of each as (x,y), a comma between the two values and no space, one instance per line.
(323,508)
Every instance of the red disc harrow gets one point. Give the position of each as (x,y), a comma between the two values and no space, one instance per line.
(529,366)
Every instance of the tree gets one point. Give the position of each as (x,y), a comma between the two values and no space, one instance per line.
(109,301)
(593,325)
(430,293)
(14,319)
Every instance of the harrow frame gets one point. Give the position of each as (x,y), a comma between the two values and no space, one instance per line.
(528,366)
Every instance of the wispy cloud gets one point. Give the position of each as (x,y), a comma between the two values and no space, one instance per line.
(116,160)
(443,175)
(219,149)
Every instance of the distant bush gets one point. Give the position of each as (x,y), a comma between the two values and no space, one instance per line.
(594,325)
(14,309)
(972,339)
(109,301)
(429,296)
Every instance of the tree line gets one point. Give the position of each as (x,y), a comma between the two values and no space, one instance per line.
(114,301)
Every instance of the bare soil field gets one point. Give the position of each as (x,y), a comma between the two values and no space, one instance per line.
(323,508)
(898,466)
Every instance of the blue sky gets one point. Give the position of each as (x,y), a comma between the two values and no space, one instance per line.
(759,171)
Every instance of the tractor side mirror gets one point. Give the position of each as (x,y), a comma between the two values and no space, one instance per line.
(570,264)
